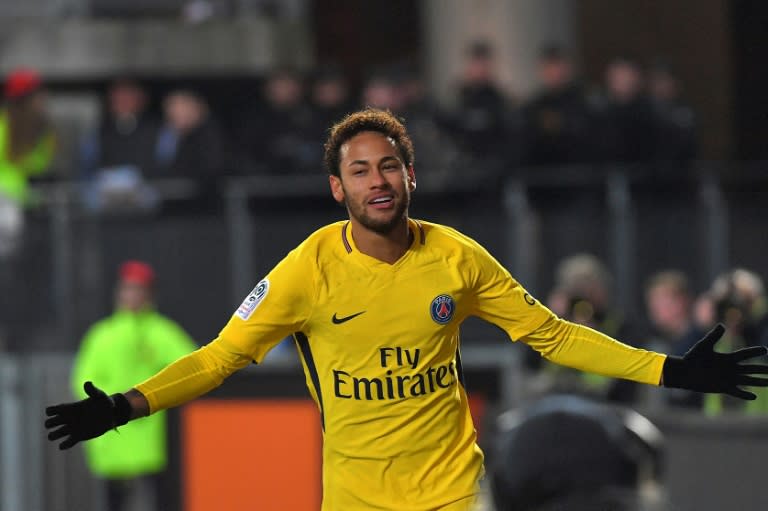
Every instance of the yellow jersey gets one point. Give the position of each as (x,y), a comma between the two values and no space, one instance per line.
(380,348)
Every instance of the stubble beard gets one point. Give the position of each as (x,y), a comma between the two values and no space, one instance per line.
(357,211)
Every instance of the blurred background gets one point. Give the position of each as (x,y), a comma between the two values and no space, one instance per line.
(611,154)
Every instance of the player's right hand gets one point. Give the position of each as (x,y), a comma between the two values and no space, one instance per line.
(86,419)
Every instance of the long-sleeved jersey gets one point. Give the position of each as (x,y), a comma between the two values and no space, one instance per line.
(380,348)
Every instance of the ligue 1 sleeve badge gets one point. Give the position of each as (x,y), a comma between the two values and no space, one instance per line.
(253,300)
(442,309)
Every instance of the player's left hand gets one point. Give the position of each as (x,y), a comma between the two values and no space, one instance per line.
(704,370)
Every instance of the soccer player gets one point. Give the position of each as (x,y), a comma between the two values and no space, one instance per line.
(375,303)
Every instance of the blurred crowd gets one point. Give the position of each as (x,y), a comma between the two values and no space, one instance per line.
(676,317)
(637,115)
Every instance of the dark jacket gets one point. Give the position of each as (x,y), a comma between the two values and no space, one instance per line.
(558,128)
(199,154)
(480,121)
(675,132)
(628,131)
(275,141)
(119,143)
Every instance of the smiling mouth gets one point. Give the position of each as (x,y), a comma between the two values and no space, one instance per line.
(382,201)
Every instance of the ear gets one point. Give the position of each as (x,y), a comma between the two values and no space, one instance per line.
(411,177)
(336,189)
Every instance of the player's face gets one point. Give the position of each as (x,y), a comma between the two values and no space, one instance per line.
(374,182)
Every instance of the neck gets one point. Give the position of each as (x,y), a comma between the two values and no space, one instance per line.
(387,247)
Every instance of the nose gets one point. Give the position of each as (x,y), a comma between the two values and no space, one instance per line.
(377,179)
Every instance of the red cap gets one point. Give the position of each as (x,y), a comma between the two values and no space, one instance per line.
(137,272)
(21,82)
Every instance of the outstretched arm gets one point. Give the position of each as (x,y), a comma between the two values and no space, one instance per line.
(181,381)
(701,369)
(585,349)
(283,308)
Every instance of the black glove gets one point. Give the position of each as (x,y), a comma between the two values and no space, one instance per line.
(89,418)
(704,370)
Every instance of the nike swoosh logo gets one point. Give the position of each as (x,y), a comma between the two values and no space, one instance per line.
(338,321)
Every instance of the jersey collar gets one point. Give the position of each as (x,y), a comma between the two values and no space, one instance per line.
(416,228)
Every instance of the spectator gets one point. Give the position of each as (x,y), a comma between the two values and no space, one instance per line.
(330,101)
(739,301)
(274,133)
(120,155)
(481,123)
(669,304)
(557,122)
(330,98)
(582,294)
(130,345)
(27,140)
(414,93)
(568,453)
(190,143)
(382,90)
(437,156)
(127,134)
(27,145)
(675,123)
(626,115)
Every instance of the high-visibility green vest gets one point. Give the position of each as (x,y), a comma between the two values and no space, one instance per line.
(117,353)
(14,175)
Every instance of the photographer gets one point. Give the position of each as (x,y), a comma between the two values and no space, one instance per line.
(737,299)
(582,294)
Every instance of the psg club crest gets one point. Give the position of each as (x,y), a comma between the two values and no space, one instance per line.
(442,309)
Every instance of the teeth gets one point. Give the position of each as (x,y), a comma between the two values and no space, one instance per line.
(380,200)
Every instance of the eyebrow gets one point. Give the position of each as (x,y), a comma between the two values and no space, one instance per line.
(366,162)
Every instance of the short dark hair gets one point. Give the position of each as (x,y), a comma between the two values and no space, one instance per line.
(369,119)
